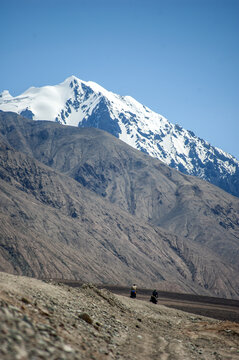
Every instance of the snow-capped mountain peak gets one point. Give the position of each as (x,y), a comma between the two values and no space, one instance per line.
(5,94)
(86,104)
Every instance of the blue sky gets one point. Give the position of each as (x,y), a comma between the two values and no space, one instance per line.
(178,57)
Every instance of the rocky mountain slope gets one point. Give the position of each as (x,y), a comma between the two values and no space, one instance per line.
(80,204)
(86,104)
(46,321)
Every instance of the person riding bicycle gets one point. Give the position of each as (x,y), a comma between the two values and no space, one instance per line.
(154,297)
(133,291)
(155,293)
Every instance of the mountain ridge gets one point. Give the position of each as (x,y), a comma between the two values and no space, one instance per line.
(86,104)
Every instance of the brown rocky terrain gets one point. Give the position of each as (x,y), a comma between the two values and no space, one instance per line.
(137,183)
(80,204)
(40,320)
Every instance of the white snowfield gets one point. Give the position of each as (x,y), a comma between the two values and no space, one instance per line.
(77,103)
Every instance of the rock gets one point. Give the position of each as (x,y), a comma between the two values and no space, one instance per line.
(20,353)
(67,348)
(25,300)
(44,312)
(86,318)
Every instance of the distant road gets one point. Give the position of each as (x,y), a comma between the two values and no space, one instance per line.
(217,308)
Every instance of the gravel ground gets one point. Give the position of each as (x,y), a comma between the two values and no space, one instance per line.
(40,320)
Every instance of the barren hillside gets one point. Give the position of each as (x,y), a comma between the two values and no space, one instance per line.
(135,182)
(80,204)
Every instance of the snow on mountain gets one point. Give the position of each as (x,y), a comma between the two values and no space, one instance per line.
(5,95)
(86,104)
